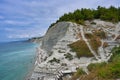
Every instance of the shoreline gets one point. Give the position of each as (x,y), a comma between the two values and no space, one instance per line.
(30,72)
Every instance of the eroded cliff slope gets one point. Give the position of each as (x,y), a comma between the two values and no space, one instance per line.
(67,46)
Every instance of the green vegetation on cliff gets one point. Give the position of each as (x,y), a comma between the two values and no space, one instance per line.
(110,71)
(79,72)
(109,14)
(54,60)
(68,56)
(81,49)
(105,71)
(94,39)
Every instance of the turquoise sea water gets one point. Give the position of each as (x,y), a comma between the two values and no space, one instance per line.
(16,59)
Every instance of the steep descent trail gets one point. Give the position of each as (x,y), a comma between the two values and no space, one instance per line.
(117,29)
(101,51)
(86,41)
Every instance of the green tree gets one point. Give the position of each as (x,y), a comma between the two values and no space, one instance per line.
(87,13)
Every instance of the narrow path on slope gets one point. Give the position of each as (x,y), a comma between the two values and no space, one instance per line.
(116,31)
(101,51)
(86,41)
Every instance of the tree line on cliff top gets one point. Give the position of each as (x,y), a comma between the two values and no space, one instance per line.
(111,14)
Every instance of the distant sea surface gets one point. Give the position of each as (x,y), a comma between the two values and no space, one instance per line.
(16,59)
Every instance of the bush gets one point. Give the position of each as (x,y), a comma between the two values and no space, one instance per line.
(81,22)
(68,56)
(61,51)
(93,23)
(80,15)
(54,60)
(50,54)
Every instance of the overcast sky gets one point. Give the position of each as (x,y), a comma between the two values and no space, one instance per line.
(28,18)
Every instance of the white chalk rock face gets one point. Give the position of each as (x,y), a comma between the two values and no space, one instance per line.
(57,32)
(56,41)
(54,33)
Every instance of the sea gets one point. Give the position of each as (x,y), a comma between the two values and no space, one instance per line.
(16,59)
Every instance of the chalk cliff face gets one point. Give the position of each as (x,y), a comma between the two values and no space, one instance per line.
(56,56)
(71,32)
(59,36)
(56,33)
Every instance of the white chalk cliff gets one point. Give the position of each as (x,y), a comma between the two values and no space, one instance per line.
(54,46)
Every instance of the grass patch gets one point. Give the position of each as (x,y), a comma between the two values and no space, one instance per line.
(81,49)
(93,66)
(110,71)
(88,35)
(101,34)
(79,73)
(103,71)
(94,41)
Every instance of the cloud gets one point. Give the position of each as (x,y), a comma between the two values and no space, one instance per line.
(13,22)
(33,17)
(25,33)
(19,36)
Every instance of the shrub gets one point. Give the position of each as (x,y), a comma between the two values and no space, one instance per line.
(54,60)
(61,51)
(81,22)
(80,15)
(93,23)
(50,54)
(68,56)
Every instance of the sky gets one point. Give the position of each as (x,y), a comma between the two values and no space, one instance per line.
(22,19)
